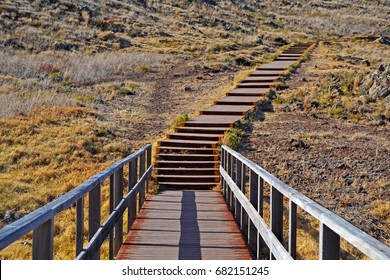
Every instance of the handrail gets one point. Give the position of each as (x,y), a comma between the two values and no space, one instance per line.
(41,221)
(332,227)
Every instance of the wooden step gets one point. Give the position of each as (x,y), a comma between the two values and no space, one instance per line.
(183,150)
(276,65)
(202,130)
(193,136)
(289,55)
(255,85)
(213,121)
(187,171)
(248,92)
(187,164)
(227,110)
(286,59)
(188,186)
(239,100)
(265,79)
(188,178)
(187,143)
(266,73)
(188,157)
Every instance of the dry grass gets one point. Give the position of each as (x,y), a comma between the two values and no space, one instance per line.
(333,84)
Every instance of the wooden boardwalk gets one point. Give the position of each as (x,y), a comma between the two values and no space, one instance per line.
(185,225)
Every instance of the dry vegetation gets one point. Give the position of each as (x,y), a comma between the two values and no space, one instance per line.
(82,83)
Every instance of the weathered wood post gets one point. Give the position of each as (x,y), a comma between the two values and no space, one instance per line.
(94,214)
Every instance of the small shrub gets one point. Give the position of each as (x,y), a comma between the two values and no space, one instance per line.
(279,100)
(55,76)
(279,86)
(232,138)
(180,120)
(337,112)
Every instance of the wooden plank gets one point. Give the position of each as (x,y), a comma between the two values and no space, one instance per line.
(329,243)
(94,215)
(292,229)
(189,224)
(79,225)
(43,240)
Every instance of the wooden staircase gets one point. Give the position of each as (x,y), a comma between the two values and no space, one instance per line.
(188,158)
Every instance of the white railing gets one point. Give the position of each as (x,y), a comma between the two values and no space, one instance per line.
(249,214)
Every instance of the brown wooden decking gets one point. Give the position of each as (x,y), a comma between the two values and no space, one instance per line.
(185,225)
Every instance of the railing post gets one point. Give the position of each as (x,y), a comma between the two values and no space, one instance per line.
(253,198)
(276,215)
(132,210)
(118,196)
(111,238)
(223,165)
(230,172)
(94,215)
(329,243)
(244,215)
(43,241)
(237,206)
(292,229)
(79,225)
(148,164)
(142,190)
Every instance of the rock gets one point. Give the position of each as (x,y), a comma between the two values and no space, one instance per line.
(299,106)
(297,144)
(259,40)
(281,41)
(65,46)
(376,84)
(124,43)
(13,44)
(243,61)
(384,40)
(272,24)
(10,216)
(354,60)
(117,28)
(107,36)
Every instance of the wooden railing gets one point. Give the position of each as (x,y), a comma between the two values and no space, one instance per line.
(249,214)
(41,221)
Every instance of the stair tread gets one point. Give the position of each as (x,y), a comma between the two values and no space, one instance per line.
(189,176)
(194,134)
(188,141)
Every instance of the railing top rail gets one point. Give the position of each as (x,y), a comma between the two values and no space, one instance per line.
(356,237)
(21,227)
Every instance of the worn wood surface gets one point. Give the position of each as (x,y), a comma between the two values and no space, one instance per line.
(184,225)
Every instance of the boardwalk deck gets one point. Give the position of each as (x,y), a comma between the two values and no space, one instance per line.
(185,225)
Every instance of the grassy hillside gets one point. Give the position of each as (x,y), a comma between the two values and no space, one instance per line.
(83,83)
